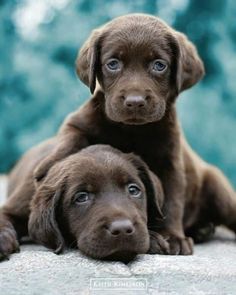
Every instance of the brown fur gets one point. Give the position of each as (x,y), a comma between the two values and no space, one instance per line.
(133,109)
(111,224)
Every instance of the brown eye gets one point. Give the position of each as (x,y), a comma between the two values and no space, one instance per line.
(81,197)
(113,64)
(159,65)
(134,190)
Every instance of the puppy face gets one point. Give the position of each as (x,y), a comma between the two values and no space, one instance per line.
(106,208)
(98,196)
(141,64)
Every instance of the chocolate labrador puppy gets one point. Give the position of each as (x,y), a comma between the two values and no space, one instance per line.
(96,199)
(140,65)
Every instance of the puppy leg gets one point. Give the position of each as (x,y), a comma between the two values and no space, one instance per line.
(69,142)
(172,229)
(8,236)
(14,220)
(220,199)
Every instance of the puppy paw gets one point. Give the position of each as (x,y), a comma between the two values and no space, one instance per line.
(180,246)
(158,245)
(8,242)
(42,169)
(202,233)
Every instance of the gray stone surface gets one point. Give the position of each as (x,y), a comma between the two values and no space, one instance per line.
(36,270)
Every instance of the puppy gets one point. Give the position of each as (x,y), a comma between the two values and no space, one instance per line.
(140,65)
(96,199)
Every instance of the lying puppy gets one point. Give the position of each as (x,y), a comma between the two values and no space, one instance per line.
(142,65)
(96,199)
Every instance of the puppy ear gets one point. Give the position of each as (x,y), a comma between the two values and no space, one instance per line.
(155,195)
(43,227)
(88,59)
(190,68)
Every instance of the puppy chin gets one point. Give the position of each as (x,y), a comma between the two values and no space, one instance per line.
(142,121)
(118,251)
(135,120)
(123,256)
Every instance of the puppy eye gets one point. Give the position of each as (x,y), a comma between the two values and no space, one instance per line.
(81,197)
(134,190)
(159,65)
(113,64)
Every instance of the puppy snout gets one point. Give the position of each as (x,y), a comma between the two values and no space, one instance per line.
(135,101)
(121,227)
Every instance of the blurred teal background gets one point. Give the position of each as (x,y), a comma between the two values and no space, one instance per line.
(39,40)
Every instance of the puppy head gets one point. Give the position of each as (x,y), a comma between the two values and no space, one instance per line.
(141,64)
(101,197)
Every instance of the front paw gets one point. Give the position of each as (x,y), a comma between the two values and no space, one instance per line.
(180,245)
(8,242)
(202,233)
(41,170)
(158,245)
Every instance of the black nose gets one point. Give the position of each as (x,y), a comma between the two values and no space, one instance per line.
(135,101)
(121,227)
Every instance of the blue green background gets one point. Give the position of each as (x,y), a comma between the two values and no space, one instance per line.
(38,85)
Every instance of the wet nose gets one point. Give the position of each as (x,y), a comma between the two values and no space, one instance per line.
(121,227)
(135,101)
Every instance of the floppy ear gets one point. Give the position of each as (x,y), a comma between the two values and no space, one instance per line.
(155,195)
(88,59)
(43,227)
(190,67)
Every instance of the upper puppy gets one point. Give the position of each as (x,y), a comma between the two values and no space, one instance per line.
(141,64)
